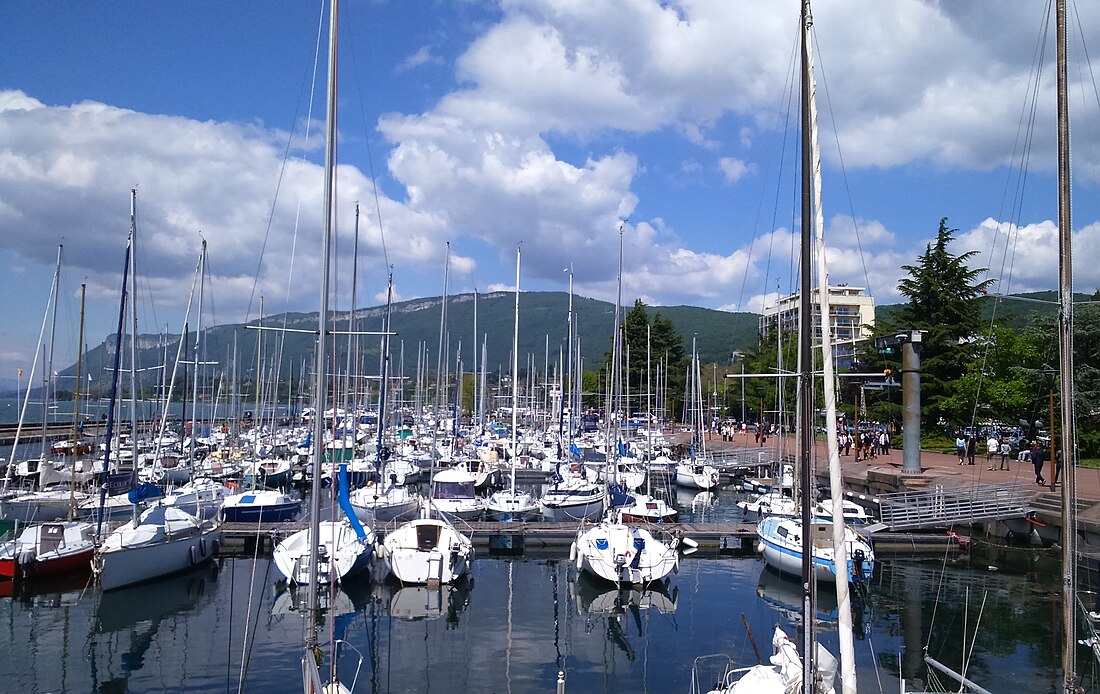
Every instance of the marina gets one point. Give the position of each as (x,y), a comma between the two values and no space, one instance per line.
(333,497)
(194,627)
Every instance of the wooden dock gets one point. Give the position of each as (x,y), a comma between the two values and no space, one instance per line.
(248,539)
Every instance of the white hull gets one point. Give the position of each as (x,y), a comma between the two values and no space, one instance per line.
(341,554)
(570,503)
(202,498)
(394,504)
(623,554)
(132,555)
(41,506)
(427,551)
(696,476)
(508,506)
(781,544)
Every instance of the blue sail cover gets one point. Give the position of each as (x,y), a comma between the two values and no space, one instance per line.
(345,502)
(619,496)
(143,491)
(574,450)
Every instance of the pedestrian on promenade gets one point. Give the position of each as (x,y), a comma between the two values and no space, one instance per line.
(1006,450)
(1036,454)
(971,449)
(992,448)
(960,447)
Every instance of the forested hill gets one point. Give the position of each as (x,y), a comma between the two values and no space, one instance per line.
(542,330)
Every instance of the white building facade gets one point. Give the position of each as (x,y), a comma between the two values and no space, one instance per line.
(851,312)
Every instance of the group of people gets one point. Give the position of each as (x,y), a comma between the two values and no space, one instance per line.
(967,446)
(868,444)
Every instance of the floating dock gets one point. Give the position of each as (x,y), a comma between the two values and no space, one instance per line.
(250,539)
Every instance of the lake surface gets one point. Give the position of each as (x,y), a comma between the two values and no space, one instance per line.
(516,622)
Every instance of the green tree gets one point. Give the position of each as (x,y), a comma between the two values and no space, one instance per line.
(656,339)
(945,298)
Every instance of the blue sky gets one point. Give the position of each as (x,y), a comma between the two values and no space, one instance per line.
(545,122)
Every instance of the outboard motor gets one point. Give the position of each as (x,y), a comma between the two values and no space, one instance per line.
(858,557)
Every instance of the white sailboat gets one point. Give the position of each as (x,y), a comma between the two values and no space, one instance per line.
(426,551)
(162,540)
(791,543)
(511,504)
(612,550)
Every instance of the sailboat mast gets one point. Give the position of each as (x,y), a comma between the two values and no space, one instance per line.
(195,418)
(613,385)
(805,374)
(515,375)
(76,406)
(48,371)
(133,336)
(1065,365)
(840,547)
(322,333)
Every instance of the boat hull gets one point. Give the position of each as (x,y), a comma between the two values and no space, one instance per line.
(784,552)
(260,507)
(341,554)
(49,550)
(427,551)
(123,567)
(623,554)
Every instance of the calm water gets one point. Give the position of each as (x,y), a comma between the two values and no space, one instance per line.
(515,622)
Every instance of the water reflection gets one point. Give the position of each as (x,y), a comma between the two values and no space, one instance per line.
(426,602)
(531,617)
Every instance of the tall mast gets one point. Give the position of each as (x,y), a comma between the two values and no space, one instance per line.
(1065,366)
(133,337)
(515,376)
(840,548)
(805,372)
(322,332)
(47,373)
(195,417)
(76,406)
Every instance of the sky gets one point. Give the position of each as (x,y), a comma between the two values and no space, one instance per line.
(471,127)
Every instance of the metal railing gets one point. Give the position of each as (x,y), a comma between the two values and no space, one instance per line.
(939,506)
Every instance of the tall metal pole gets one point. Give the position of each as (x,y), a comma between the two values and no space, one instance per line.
(1065,364)
(910,400)
(319,376)
(805,373)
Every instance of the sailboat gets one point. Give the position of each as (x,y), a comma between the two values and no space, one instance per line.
(790,543)
(512,504)
(162,540)
(429,549)
(54,549)
(396,501)
(612,550)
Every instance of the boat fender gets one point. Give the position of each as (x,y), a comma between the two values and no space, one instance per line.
(760,547)
(191,554)
(215,548)
(202,547)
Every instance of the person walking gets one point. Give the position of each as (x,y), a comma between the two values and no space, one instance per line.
(971,449)
(960,447)
(1036,454)
(992,448)
(1006,450)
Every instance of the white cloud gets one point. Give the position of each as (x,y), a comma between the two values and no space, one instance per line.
(734,169)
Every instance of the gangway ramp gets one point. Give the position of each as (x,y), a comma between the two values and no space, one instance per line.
(940,506)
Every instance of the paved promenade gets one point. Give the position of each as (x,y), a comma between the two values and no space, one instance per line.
(942,468)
